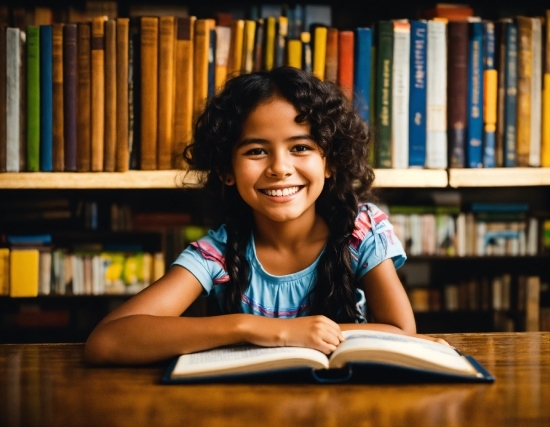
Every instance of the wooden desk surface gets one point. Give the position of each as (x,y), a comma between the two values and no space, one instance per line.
(49,385)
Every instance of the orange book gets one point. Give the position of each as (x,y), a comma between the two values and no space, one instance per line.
(234,64)
(149,36)
(183,120)
(200,71)
(331,61)
(83,97)
(525,41)
(122,121)
(109,144)
(545,143)
(167,39)
(450,11)
(98,93)
(345,62)
(57,113)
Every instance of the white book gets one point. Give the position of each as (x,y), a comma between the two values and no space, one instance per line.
(461,234)
(436,96)
(536,94)
(45,268)
(400,94)
(13,97)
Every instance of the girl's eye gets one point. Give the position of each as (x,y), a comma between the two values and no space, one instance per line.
(301,148)
(255,152)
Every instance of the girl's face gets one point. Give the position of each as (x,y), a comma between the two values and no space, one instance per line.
(278,168)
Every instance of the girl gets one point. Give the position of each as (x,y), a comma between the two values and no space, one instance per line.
(301,256)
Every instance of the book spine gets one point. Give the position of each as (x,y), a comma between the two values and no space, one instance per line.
(436,96)
(536,93)
(3,94)
(525,54)
(184,87)
(545,143)
(248,46)
(110,135)
(400,94)
(280,45)
(200,71)
(362,73)
(167,37)
(475,95)
(23,99)
(134,92)
(269,43)
(13,92)
(259,45)
(417,96)
(384,50)
(500,64)
(320,51)
(331,60)
(33,98)
(58,126)
(70,105)
(212,59)
(46,99)
(511,94)
(490,85)
(223,43)
(294,53)
(97,108)
(122,162)
(307,60)
(457,92)
(83,97)
(346,41)
(149,36)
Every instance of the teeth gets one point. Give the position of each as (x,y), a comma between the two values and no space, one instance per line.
(284,192)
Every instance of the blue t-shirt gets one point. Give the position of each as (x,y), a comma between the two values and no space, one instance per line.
(373,241)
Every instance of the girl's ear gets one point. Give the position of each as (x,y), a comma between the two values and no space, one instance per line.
(229,180)
(328,171)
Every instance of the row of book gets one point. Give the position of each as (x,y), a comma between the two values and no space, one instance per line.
(121,93)
(31,271)
(487,229)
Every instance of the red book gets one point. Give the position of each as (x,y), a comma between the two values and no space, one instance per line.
(345,62)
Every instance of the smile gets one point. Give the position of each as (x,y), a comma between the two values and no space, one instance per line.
(281,192)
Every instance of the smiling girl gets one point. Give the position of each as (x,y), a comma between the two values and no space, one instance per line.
(301,255)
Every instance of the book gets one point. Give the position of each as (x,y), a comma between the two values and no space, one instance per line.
(294,53)
(12,99)
(247,63)
(270,31)
(111,102)
(97,94)
(510,93)
(545,137)
(33,98)
(166,83)
(223,42)
(183,113)
(200,62)
(400,94)
(4,271)
(524,102)
(319,48)
(474,154)
(83,97)
(58,127)
(362,73)
(536,93)
(149,37)
(346,51)
(364,357)
(457,92)
(122,147)
(307,60)
(69,95)
(490,88)
(24,267)
(281,36)
(259,45)
(436,96)
(417,94)
(46,99)
(3,100)
(331,60)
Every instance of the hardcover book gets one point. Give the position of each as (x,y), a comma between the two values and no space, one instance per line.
(490,84)
(363,72)
(46,98)
(475,95)
(58,127)
(69,95)
(364,357)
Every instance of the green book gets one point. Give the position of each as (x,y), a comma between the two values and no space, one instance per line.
(384,62)
(33,98)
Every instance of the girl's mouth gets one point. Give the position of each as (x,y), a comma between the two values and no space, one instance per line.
(281,192)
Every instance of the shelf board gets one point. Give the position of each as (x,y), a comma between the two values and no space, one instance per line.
(410,178)
(136,179)
(499,177)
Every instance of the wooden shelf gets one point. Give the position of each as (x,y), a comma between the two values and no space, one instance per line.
(410,178)
(499,177)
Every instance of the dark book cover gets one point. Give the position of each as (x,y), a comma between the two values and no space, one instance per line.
(46,99)
(69,94)
(475,95)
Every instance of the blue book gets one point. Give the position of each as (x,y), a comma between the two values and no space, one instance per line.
(212,64)
(490,93)
(46,99)
(475,96)
(33,239)
(363,72)
(499,207)
(510,94)
(417,94)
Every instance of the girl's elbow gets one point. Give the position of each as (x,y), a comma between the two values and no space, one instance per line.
(99,349)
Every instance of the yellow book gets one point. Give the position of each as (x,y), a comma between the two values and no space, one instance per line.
(4,271)
(545,149)
(234,64)
(249,33)
(24,267)
(167,39)
(319,51)
(525,36)
(269,52)
(294,53)
(200,69)
(122,160)
(183,120)
(97,120)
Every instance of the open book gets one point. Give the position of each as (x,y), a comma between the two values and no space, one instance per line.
(364,356)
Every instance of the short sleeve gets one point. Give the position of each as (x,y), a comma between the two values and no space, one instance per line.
(374,241)
(205,259)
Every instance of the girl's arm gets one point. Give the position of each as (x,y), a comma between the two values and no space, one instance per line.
(148,327)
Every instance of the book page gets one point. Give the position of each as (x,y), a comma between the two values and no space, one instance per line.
(402,350)
(246,358)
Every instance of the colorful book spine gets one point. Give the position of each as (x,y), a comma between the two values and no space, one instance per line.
(400,94)
(97,109)
(307,57)
(33,98)
(223,44)
(384,51)
(247,65)
(270,41)
(69,95)
(510,94)
(319,51)
(46,99)
(417,94)
(346,42)
(475,95)
(331,60)
(363,72)
(525,72)
(490,85)
(281,39)
(294,53)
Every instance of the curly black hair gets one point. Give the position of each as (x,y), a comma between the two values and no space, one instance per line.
(343,139)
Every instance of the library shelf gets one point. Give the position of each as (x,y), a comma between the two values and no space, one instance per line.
(499,177)
(410,178)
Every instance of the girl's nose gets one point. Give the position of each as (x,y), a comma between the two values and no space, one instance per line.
(280,166)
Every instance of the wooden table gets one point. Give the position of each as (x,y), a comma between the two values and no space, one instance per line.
(49,385)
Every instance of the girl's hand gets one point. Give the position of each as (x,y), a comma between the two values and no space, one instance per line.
(429,338)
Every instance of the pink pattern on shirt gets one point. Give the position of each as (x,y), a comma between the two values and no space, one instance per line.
(363,225)
(209,252)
